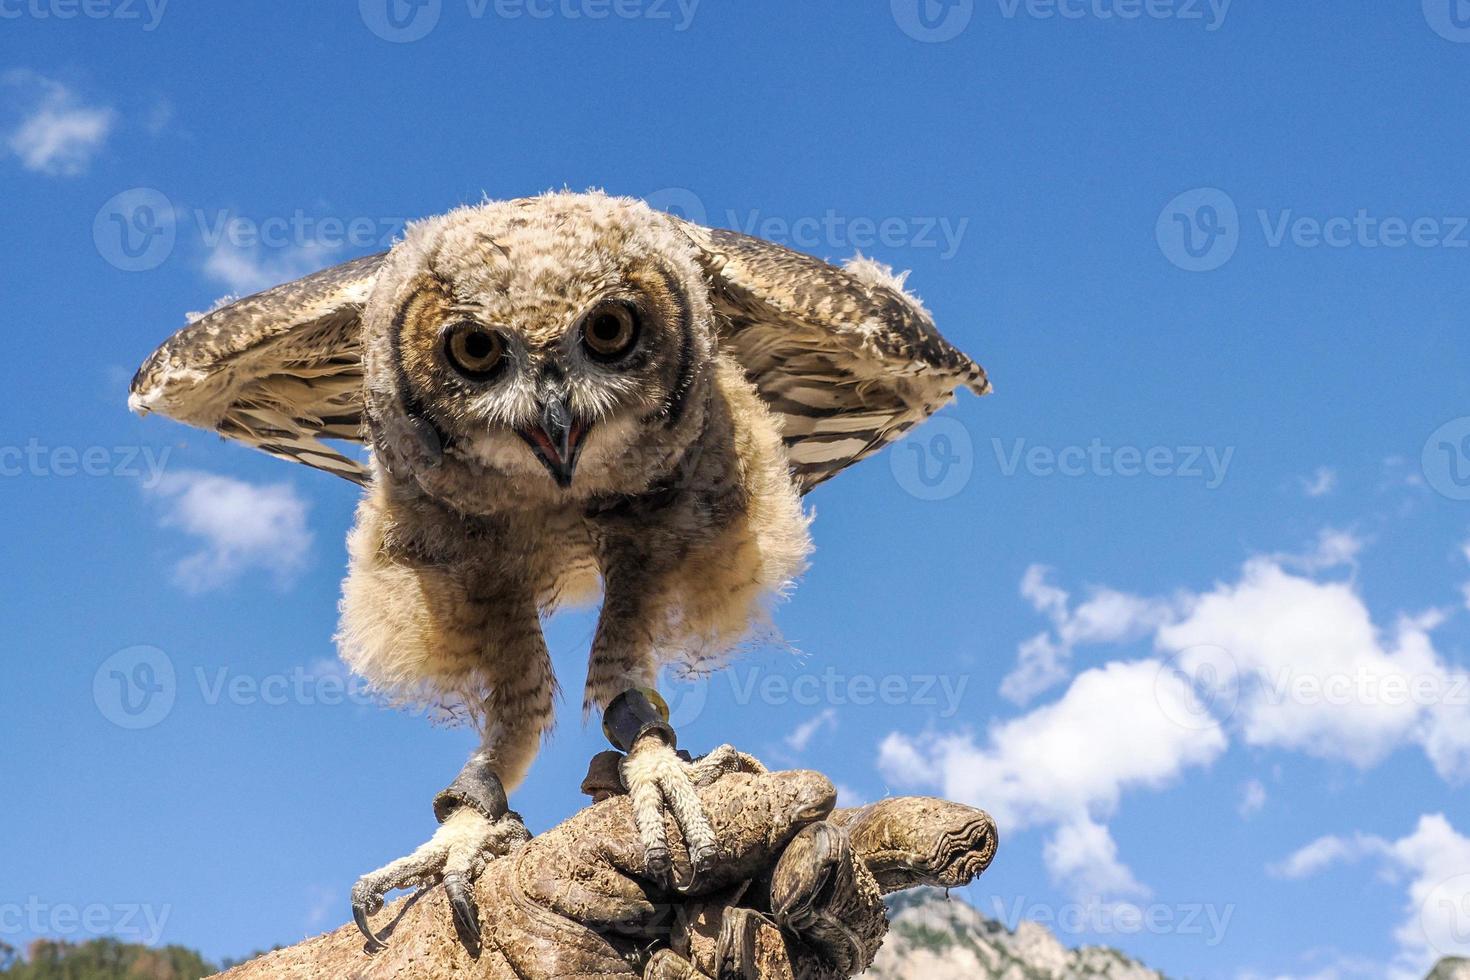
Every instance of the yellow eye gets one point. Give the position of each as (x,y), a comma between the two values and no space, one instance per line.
(611,332)
(474,351)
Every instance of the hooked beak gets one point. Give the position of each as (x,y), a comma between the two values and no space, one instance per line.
(557,442)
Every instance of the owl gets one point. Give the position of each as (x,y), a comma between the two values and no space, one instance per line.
(563,396)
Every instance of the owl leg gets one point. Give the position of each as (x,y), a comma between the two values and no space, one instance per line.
(646,568)
(476,823)
(662,783)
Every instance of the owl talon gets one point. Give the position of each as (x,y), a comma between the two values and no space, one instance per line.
(662,783)
(364,903)
(659,864)
(455,856)
(661,780)
(466,912)
(703,858)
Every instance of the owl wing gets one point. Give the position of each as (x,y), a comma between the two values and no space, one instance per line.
(846,357)
(280,370)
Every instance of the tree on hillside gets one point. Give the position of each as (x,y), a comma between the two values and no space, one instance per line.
(101,959)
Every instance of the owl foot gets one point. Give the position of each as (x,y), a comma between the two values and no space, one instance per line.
(662,782)
(475,827)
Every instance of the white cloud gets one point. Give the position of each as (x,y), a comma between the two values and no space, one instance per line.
(1107,616)
(1043,596)
(799,739)
(240,526)
(57,134)
(1067,764)
(249,270)
(1287,655)
(1466,588)
(1435,860)
(1326,852)
(1040,665)
(1110,616)
(1333,549)
(1041,661)
(1445,734)
(1082,857)
(1252,798)
(1322,482)
(1313,673)
(1438,920)
(1291,659)
(902,761)
(1400,471)
(1113,729)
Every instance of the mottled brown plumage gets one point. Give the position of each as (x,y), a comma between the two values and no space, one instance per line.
(561,393)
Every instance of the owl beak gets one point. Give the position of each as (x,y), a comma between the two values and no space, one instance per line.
(557,441)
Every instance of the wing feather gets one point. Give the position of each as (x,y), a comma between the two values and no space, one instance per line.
(847,357)
(280,370)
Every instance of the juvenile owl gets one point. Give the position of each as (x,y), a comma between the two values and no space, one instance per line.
(563,394)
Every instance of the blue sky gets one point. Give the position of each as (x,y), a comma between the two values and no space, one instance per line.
(1184,603)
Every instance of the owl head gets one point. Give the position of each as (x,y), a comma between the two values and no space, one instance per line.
(560,345)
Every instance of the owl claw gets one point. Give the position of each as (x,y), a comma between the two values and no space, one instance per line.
(455,856)
(662,784)
(703,859)
(363,905)
(466,913)
(658,863)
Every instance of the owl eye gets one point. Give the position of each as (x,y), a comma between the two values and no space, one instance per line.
(474,351)
(611,332)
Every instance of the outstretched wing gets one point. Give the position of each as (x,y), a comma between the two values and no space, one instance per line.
(280,370)
(848,358)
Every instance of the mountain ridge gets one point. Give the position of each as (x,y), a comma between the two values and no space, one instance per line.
(935,937)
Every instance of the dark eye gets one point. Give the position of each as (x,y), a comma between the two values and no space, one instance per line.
(474,351)
(611,332)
